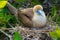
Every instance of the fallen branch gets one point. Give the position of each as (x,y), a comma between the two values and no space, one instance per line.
(6,34)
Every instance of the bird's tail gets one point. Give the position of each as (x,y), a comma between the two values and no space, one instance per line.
(12,9)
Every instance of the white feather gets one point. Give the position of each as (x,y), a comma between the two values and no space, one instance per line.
(38,20)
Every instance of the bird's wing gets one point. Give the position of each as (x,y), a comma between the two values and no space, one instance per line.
(28,12)
(25,16)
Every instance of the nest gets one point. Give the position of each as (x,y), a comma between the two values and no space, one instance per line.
(29,33)
(36,33)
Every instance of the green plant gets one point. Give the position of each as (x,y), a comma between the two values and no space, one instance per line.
(5,14)
(17,36)
(55,34)
(58,20)
(2,4)
(36,2)
(55,16)
(54,13)
(4,18)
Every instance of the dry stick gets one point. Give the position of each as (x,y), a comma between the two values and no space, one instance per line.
(10,25)
(23,29)
(13,28)
(7,34)
(6,28)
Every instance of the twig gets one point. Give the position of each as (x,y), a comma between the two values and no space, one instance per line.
(6,34)
(6,28)
(14,28)
(10,25)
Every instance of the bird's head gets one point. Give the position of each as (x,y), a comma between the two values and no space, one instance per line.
(39,10)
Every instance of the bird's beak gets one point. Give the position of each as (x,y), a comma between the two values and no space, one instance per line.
(40,12)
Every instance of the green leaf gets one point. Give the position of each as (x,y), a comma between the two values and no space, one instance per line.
(3,0)
(58,38)
(58,20)
(7,18)
(35,2)
(58,32)
(17,36)
(54,11)
(4,18)
(54,35)
(2,4)
(20,0)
